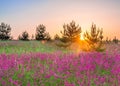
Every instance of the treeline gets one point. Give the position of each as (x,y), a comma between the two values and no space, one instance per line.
(71,33)
(41,34)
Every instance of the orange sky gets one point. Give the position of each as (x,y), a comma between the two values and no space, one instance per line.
(26,15)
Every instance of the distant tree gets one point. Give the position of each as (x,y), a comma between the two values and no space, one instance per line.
(71,32)
(5,31)
(11,38)
(107,40)
(41,33)
(48,37)
(32,37)
(56,37)
(19,37)
(24,36)
(94,37)
(110,41)
(115,40)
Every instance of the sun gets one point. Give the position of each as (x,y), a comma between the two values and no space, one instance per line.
(82,38)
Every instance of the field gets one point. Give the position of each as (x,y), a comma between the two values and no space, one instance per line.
(35,63)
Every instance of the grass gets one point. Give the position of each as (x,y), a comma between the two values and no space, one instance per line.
(19,47)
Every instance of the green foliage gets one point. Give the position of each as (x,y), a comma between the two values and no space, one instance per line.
(94,37)
(25,36)
(64,39)
(52,81)
(63,44)
(104,72)
(20,47)
(71,79)
(100,49)
(28,78)
(5,31)
(41,33)
(71,32)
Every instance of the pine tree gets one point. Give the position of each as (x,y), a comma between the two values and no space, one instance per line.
(24,36)
(107,40)
(5,31)
(56,37)
(41,33)
(115,40)
(94,37)
(32,37)
(71,32)
(48,37)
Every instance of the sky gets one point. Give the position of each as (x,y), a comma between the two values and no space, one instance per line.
(28,14)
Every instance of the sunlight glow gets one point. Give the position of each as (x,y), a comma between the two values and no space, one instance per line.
(82,38)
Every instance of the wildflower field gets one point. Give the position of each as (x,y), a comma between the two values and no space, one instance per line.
(39,64)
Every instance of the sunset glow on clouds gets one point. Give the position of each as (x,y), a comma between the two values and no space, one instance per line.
(28,14)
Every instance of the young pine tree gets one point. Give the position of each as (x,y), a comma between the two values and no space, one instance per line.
(56,37)
(115,40)
(71,32)
(24,36)
(94,37)
(5,31)
(41,33)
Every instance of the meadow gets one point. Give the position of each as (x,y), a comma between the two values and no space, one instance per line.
(19,47)
(35,63)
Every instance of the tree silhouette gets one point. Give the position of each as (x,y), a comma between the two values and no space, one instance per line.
(32,37)
(25,36)
(56,37)
(71,32)
(41,33)
(48,37)
(115,40)
(5,31)
(107,40)
(94,37)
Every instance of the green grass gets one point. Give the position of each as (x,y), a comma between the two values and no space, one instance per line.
(19,47)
